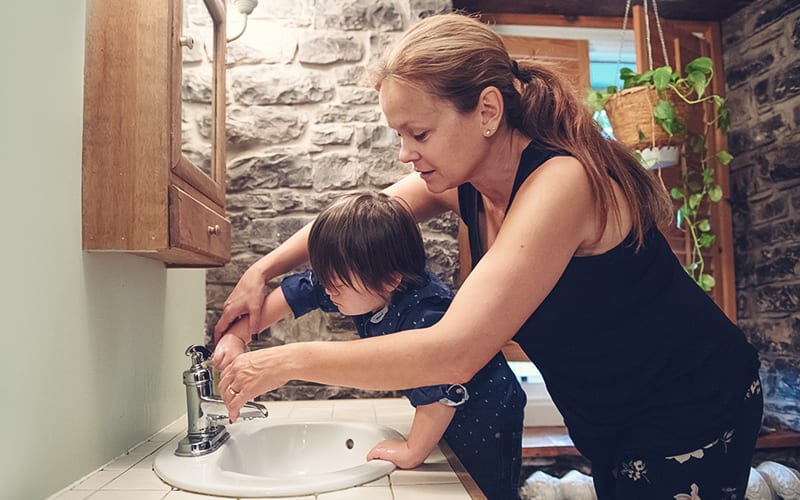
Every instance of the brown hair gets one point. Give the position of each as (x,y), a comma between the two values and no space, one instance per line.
(455,57)
(367,239)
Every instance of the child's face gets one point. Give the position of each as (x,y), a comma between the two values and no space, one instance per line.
(355,300)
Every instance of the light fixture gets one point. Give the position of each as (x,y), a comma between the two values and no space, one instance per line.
(245,8)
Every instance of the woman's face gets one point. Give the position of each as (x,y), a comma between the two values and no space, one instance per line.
(444,146)
(354,300)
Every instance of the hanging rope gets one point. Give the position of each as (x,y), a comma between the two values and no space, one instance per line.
(660,33)
(622,35)
(647,33)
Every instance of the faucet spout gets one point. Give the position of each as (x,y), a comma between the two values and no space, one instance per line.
(214,407)
(204,411)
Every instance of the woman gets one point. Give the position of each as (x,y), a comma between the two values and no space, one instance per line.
(658,388)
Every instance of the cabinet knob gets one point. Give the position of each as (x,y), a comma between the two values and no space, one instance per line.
(187,41)
(213,229)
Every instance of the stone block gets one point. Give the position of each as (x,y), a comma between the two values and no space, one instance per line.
(263,125)
(357,95)
(351,75)
(258,86)
(336,171)
(755,136)
(778,299)
(264,235)
(283,167)
(331,133)
(784,162)
(338,113)
(420,9)
(328,48)
(787,83)
(773,11)
(746,70)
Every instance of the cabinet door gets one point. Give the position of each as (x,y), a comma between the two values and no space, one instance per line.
(198,45)
(141,194)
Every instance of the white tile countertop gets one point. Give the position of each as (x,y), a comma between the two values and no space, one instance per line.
(441,477)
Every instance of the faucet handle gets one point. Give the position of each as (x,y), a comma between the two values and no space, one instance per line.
(198,353)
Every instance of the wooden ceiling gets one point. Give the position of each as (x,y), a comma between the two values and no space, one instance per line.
(693,10)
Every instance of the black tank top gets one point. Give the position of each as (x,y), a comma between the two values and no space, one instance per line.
(633,352)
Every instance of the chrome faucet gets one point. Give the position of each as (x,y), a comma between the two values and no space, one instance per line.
(205,411)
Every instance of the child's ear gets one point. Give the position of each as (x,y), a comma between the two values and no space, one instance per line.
(394,282)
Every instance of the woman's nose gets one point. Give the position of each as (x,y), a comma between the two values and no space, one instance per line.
(407,154)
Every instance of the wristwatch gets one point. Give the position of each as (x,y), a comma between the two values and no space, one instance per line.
(455,395)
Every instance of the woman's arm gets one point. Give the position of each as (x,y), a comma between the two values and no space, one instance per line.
(430,422)
(543,229)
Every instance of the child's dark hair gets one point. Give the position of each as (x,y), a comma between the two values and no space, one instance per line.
(367,239)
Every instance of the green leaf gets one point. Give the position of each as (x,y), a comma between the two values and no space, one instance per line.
(704,225)
(627,76)
(694,200)
(662,77)
(706,282)
(697,143)
(724,157)
(596,100)
(723,117)
(664,114)
(705,240)
(715,193)
(642,137)
(708,176)
(676,193)
(702,64)
(698,82)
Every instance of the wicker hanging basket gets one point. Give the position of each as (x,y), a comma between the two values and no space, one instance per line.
(631,112)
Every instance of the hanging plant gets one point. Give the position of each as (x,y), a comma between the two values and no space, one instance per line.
(656,105)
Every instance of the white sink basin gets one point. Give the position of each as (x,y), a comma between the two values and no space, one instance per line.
(264,458)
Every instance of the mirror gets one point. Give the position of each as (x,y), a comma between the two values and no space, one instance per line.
(198,90)
(197,77)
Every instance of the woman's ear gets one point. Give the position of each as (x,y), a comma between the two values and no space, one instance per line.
(490,108)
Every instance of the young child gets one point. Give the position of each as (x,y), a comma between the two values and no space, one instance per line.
(368,262)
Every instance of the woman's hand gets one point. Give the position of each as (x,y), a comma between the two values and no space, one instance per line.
(246,299)
(228,348)
(395,451)
(249,375)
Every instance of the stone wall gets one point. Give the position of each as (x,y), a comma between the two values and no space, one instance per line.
(303,127)
(761,49)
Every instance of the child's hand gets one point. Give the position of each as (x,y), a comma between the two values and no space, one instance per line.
(227,349)
(397,452)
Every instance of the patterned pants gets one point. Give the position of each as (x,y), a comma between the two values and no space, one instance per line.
(717,471)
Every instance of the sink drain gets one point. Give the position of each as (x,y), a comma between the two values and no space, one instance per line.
(349,443)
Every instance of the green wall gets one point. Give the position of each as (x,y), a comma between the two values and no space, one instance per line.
(92,343)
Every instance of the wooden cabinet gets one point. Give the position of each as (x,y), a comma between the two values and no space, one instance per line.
(141,192)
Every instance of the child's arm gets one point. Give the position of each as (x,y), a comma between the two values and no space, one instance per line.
(234,341)
(430,422)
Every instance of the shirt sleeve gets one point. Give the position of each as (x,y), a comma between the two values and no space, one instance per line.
(303,293)
(427,313)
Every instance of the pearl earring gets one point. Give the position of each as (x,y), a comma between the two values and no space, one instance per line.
(489,131)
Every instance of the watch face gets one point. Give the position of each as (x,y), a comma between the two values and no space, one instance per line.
(456,395)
